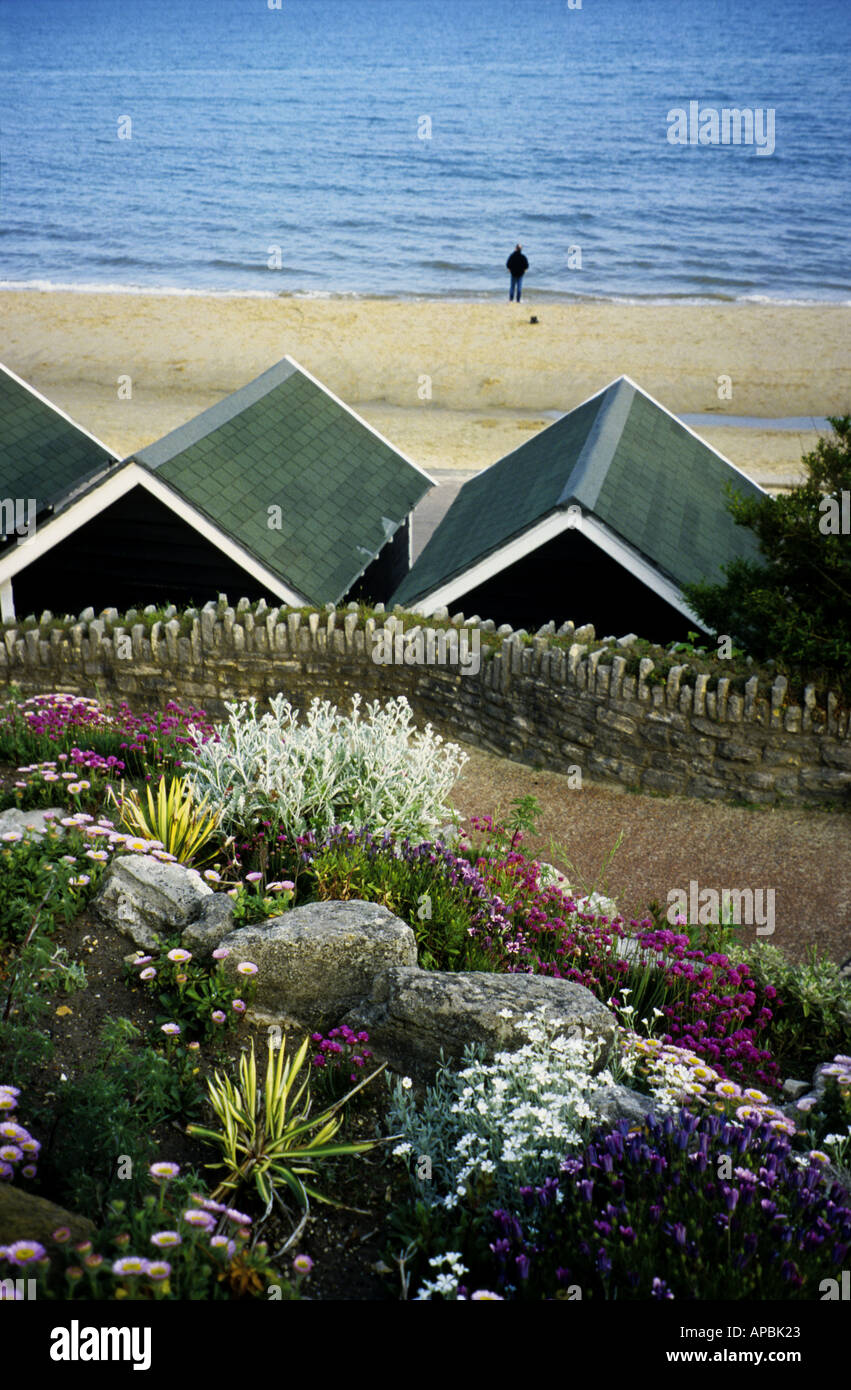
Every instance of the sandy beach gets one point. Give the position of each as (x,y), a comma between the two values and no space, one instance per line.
(453,384)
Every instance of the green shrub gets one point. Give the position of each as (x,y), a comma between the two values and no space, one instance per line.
(812,1018)
(792,603)
(103,1118)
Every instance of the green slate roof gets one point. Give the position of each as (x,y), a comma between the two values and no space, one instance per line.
(43,454)
(625,461)
(284,441)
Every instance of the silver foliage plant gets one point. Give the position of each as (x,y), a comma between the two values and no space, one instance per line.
(332,769)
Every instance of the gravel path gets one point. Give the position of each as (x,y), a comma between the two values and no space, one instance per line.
(805,856)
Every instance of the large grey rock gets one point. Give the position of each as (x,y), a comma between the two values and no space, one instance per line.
(414,1014)
(31,824)
(146,899)
(794,1089)
(25,1216)
(209,929)
(318,961)
(613,1103)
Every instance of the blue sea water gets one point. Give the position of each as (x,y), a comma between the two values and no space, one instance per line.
(300,128)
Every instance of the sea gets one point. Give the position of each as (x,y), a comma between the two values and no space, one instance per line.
(402,147)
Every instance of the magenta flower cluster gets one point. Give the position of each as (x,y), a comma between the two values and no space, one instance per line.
(158,728)
(342,1050)
(144,738)
(711,1006)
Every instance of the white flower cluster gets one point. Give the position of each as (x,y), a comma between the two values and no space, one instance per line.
(524,1109)
(446,1283)
(503,1121)
(331,770)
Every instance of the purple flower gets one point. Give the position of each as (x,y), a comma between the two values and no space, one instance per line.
(162,1172)
(24,1252)
(203,1219)
(164,1240)
(237,1216)
(130,1264)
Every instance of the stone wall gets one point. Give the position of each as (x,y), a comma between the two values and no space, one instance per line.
(560,701)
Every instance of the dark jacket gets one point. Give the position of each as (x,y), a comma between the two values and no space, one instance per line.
(517,263)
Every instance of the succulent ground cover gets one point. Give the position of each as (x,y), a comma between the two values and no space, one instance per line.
(526,1194)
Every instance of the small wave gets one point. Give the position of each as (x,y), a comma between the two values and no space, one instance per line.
(101,287)
(458,294)
(250,267)
(131,262)
(459,266)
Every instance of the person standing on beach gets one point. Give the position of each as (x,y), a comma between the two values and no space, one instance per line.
(517,265)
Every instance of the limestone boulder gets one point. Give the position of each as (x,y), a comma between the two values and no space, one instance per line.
(318,961)
(613,1103)
(24,1216)
(213,923)
(147,900)
(30,824)
(413,1015)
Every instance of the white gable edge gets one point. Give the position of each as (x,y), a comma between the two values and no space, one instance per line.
(111,490)
(538,535)
(694,434)
(57,410)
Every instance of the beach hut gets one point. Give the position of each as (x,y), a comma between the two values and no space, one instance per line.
(279,491)
(45,458)
(601,517)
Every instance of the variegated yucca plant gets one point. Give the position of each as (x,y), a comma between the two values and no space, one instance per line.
(182,823)
(268,1136)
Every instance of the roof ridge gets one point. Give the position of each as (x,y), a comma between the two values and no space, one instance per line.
(595,457)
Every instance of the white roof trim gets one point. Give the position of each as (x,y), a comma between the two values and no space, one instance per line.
(538,535)
(636,565)
(360,419)
(518,547)
(132,475)
(57,411)
(63,523)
